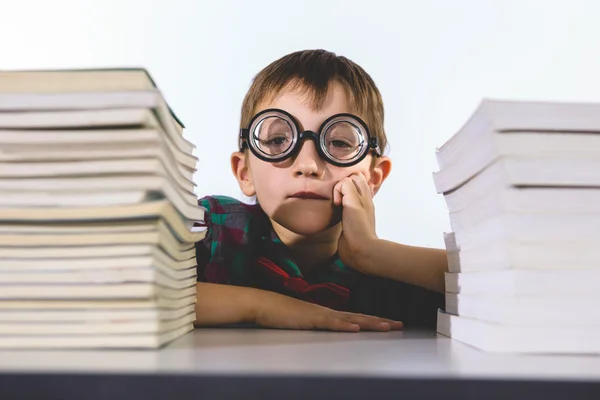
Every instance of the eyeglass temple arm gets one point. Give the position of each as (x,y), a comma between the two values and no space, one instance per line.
(374,144)
(243,138)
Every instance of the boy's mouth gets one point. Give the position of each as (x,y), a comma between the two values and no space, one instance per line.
(308,195)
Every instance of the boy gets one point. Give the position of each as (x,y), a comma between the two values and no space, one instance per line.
(306,256)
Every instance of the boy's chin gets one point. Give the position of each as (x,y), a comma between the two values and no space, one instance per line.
(308,221)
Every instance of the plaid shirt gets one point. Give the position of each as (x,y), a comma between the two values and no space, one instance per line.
(241,248)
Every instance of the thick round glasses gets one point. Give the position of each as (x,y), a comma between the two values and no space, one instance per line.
(274,135)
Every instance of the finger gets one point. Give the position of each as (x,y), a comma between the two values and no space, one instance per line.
(337,194)
(355,178)
(363,190)
(369,185)
(362,187)
(361,184)
(350,196)
(395,325)
(332,323)
(368,323)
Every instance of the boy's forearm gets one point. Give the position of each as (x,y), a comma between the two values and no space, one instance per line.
(420,266)
(224,304)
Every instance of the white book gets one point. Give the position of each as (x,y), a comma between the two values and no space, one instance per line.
(91,222)
(547,142)
(58,228)
(95,327)
(173,279)
(178,279)
(55,139)
(515,201)
(68,152)
(144,305)
(452,252)
(72,199)
(160,209)
(23,144)
(567,282)
(89,88)
(185,202)
(103,80)
(141,150)
(97,341)
(503,338)
(79,100)
(97,315)
(486,196)
(492,188)
(114,168)
(79,119)
(163,236)
(518,116)
(158,259)
(534,310)
(142,290)
(533,171)
(536,228)
(149,182)
(516,254)
(515,145)
(100,198)
(517,129)
(106,151)
(66,253)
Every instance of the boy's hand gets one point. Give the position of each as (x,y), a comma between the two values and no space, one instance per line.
(274,310)
(358,220)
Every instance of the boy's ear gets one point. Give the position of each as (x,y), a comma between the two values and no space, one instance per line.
(380,169)
(241,170)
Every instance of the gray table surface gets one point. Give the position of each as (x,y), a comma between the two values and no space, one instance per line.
(251,351)
(279,353)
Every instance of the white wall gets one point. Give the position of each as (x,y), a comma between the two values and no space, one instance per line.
(432,60)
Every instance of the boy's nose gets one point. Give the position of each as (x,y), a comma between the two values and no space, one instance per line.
(308,162)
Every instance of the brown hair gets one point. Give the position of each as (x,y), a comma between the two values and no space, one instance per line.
(312,71)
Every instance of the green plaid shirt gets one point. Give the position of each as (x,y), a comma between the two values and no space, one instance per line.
(241,248)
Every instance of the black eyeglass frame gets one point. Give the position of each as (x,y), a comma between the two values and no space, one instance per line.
(298,137)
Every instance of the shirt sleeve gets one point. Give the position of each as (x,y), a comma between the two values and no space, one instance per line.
(413,305)
(208,269)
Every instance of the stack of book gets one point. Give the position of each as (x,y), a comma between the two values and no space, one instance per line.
(521,181)
(97,212)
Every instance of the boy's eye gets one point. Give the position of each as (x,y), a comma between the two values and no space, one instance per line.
(275,144)
(342,148)
(278,141)
(342,144)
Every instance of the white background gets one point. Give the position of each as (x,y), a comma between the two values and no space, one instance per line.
(432,60)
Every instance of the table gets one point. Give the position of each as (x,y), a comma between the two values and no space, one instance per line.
(263,364)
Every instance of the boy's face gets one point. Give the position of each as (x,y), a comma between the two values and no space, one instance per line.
(283,188)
